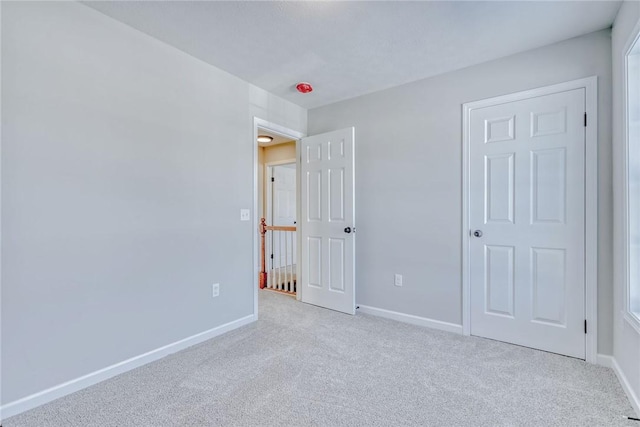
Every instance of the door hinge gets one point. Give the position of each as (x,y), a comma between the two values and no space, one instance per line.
(271,256)
(585,119)
(273,179)
(585,326)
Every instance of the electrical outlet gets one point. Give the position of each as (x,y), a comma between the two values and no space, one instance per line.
(215,290)
(245,215)
(398,280)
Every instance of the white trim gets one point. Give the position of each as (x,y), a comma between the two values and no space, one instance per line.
(294,135)
(466,229)
(410,318)
(45,396)
(290,161)
(626,386)
(591,217)
(0,208)
(590,84)
(610,362)
(628,316)
(631,320)
(267,197)
(605,360)
(298,216)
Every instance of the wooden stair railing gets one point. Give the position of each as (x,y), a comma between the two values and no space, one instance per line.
(280,276)
(263,270)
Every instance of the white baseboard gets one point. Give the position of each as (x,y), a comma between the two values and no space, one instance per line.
(410,318)
(611,362)
(604,360)
(633,398)
(29,402)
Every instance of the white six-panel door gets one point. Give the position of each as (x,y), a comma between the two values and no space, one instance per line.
(327,223)
(527,218)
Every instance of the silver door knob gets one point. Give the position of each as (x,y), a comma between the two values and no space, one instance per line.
(477,233)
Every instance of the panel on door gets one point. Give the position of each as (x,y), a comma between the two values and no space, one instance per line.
(327,223)
(526,170)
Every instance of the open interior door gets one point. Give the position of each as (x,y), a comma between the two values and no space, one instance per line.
(327,225)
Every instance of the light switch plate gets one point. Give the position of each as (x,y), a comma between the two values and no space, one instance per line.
(215,289)
(397,280)
(245,215)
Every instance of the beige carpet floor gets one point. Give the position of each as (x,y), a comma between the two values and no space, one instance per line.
(301,365)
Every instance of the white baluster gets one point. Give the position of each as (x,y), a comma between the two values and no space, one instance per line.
(280,284)
(291,233)
(271,275)
(284,279)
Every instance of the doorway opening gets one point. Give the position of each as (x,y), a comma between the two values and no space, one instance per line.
(277,211)
(322,270)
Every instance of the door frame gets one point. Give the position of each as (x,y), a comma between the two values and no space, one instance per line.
(268,195)
(294,135)
(590,84)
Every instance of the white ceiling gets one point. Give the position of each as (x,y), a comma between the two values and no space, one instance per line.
(347,49)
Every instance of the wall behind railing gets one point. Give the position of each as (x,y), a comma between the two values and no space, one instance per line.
(273,153)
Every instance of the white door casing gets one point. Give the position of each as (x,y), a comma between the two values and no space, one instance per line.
(590,84)
(527,198)
(292,134)
(328,220)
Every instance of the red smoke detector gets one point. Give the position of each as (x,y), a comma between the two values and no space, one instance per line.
(304,87)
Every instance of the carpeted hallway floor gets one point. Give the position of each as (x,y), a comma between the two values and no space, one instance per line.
(301,365)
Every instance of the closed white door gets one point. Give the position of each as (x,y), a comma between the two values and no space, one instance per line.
(284,194)
(527,219)
(283,181)
(327,223)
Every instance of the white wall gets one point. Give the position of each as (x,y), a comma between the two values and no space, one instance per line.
(125,163)
(408,175)
(626,339)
